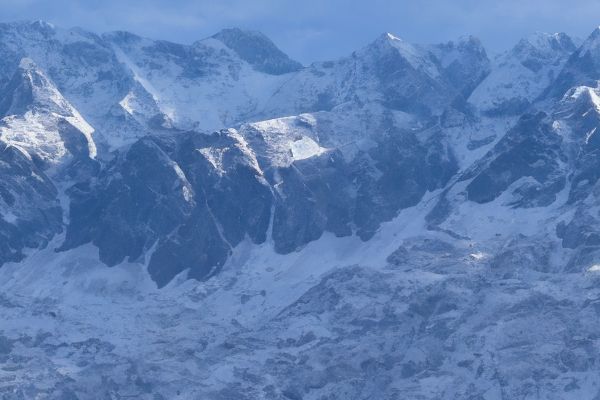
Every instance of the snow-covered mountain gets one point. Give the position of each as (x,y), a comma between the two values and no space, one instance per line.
(217,221)
(521,75)
(37,118)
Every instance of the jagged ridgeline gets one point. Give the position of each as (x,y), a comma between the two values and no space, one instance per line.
(190,150)
(217,220)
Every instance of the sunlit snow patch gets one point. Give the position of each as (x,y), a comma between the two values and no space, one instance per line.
(594,268)
(479,256)
(305,148)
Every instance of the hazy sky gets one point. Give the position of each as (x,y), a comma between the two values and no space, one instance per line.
(310,30)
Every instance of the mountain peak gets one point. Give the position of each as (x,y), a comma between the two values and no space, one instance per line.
(581,69)
(465,43)
(27,63)
(388,38)
(592,43)
(389,45)
(391,36)
(258,50)
(30,89)
(541,49)
(541,44)
(20,92)
(37,117)
(227,34)
(39,26)
(122,37)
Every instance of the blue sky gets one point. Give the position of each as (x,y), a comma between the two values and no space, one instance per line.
(312,30)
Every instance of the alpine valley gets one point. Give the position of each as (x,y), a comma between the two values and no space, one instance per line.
(219,221)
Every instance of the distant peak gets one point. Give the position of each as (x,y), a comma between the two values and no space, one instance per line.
(257,50)
(231,33)
(122,37)
(544,45)
(30,89)
(469,40)
(27,64)
(465,43)
(391,36)
(236,38)
(388,38)
(29,71)
(592,43)
(540,38)
(42,24)
(30,25)
(594,36)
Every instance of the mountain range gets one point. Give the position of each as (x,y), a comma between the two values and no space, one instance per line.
(219,221)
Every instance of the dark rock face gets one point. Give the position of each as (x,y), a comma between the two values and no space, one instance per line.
(509,107)
(581,234)
(403,86)
(530,149)
(580,231)
(234,188)
(582,68)
(406,167)
(187,200)
(30,213)
(311,196)
(579,70)
(522,256)
(579,111)
(329,193)
(196,246)
(434,83)
(232,201)
(75,141)
(258,50)
(192,211)
(132,203)
(535,58)
(469,64)
(17,95)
